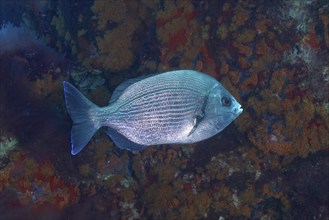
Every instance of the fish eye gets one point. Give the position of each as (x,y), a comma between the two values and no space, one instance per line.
(226,101)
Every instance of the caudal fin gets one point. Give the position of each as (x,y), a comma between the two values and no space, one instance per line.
(79,108)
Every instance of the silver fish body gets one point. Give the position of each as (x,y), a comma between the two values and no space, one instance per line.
(181,106)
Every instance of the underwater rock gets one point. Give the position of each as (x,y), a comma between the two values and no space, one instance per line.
(87,80)
(4,160)
(28,54)
(299,181)
(7,144)
(270,54)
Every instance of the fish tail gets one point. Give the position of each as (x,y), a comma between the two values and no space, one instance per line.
(80,109)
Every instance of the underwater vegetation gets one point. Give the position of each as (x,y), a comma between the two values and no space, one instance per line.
(271,163)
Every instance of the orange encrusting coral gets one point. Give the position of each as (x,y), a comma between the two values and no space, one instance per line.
(178,30)
(289,124)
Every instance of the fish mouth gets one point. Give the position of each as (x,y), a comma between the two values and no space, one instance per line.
(238,110)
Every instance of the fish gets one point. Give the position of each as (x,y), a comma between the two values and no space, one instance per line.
(175,107)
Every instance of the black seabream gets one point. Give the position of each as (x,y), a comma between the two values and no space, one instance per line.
(175,107)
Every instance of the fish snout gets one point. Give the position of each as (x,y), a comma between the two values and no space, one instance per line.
(238,110)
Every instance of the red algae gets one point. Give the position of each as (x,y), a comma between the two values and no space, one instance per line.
(41,184)
(178,39)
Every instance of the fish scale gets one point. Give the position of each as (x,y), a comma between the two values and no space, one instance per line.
(183,106)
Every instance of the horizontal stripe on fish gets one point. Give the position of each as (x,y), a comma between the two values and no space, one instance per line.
(161,91)
(181,107)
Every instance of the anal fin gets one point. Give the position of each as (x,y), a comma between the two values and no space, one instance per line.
(122,142)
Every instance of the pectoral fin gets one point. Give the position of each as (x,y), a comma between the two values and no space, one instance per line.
(199,114)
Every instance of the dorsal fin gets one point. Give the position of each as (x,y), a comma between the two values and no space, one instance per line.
(123,86)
